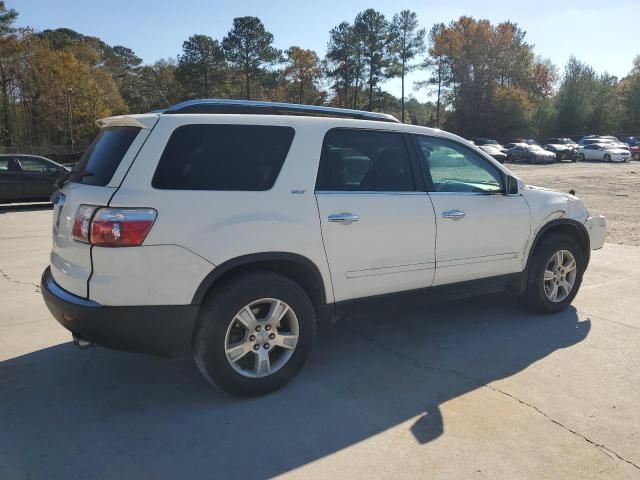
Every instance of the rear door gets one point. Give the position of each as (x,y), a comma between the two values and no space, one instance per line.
(10,179)
(377,222)
(100,172)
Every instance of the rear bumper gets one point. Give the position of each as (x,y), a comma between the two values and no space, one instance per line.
(597,228)
(158,329)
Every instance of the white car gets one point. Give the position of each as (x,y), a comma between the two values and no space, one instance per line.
(607,152)
(229,230)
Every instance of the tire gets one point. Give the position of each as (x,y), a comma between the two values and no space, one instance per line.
(607,157)
(510,159)
(219,321)
(535,296)
(580,157)
(636,156)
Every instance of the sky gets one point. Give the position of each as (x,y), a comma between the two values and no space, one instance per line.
(602,34)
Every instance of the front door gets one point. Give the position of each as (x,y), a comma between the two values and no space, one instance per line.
(481,231)
(378,228)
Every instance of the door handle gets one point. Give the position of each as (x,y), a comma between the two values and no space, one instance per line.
(453,214)
(344,218)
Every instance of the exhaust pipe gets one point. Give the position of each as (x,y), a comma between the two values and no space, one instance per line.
(81,342)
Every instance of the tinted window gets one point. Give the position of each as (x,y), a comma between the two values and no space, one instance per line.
(362,160)
(105,154)
(36,165)
(8,164)
(223,157)
(454,168)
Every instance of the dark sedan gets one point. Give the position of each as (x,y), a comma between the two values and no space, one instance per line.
(522,152)
(28,178)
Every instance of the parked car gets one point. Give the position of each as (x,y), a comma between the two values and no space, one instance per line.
(231,237)
(523,152)
(28,178)
(489,142)
(563,141)
(495,152)
(606,152)
(562,151)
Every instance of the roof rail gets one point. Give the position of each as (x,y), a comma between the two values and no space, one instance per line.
(255,107)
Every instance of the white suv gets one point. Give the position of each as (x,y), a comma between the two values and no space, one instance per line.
(229,230)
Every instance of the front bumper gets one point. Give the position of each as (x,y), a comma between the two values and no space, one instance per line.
(158,329)
(597,228)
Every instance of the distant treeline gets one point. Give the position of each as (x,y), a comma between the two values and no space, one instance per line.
(485,79)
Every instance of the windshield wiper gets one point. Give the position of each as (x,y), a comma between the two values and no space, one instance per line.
(76,174)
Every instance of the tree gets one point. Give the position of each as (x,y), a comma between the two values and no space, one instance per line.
(303,69)
(372,30)
(407,42)
(200,66)
(248,47)
(629,94)
(8,51)
(343,63)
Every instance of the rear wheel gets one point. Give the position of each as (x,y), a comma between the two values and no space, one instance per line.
(554,275)
(636,156)
(581,157)
(254,334)
(607,157)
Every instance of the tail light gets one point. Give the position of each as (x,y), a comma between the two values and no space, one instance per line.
(113,227)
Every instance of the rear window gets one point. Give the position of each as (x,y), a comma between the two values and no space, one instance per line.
(104,155)
(223,157)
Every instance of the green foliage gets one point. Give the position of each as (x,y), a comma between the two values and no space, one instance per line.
(248,47)
(201,67)
(485,78)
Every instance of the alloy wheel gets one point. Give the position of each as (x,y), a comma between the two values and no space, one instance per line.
(261,338)
(560,276)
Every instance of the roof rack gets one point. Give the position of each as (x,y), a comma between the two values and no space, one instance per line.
(255,107)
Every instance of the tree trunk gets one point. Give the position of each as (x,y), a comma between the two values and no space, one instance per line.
(439,88)
(5,138)
(402,76)
(247,85)
(370,91)
(300,92)
(206,85)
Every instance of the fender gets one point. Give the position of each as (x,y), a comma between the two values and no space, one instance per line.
(256,258)
(583,239)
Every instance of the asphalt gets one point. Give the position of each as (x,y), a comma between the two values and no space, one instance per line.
(473,389)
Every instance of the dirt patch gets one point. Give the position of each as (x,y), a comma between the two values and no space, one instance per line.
(610,189)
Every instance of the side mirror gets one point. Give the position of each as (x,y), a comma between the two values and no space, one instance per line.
(511,185)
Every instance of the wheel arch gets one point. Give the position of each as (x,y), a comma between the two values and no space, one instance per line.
(567,226)
(296,267)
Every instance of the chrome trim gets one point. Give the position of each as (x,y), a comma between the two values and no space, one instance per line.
(470,193)
(453,214)
(361,192)
(372,272)
(62,294)
(344,218)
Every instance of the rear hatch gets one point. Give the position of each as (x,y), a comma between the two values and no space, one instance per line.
(97,177)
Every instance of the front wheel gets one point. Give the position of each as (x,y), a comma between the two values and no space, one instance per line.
(554,275)
(607,158)
(581,157)
(636,156)
(254,334)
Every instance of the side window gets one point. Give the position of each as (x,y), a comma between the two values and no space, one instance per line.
(34,165)
(364,160)
(9,164)
(454,168)
(223,157)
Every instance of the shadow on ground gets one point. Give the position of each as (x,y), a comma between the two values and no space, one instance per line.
(67,414)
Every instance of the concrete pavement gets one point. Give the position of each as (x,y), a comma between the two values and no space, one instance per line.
(473,389)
